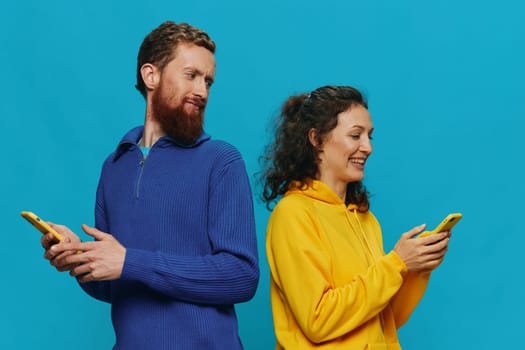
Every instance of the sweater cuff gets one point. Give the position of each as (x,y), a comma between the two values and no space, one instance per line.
(136,264)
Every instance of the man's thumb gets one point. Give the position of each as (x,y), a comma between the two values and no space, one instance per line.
(93,232)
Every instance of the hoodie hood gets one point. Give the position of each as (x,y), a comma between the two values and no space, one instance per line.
(320,191)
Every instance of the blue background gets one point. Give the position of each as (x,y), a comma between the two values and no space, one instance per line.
(444,81)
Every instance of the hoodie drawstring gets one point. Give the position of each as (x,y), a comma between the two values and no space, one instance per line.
(361,235)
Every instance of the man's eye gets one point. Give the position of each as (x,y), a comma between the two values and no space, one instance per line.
(190,75)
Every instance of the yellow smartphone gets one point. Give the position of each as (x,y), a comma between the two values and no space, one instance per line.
(41,225)
(445,225)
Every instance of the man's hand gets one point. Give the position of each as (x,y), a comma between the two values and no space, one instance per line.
(48,241)
(102,259)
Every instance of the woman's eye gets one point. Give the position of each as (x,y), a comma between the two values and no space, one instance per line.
(355,136)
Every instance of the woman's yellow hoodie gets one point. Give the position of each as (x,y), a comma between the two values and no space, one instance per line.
(332,286)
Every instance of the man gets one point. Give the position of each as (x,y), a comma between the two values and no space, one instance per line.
(175,245)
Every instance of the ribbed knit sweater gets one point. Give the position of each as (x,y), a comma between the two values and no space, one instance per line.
(185,216)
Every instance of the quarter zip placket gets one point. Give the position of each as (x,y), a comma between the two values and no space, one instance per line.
(139,178)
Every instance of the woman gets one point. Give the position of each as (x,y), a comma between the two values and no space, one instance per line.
(332,285)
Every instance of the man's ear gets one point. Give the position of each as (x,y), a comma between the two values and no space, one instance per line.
(312,137)
(150,76)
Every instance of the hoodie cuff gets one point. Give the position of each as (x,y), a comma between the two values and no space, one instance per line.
(398,262)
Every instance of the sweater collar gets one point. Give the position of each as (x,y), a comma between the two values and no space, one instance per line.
(133,136)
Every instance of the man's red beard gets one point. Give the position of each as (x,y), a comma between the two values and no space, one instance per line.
(183,127)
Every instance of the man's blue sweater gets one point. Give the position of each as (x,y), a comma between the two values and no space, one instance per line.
(185,216)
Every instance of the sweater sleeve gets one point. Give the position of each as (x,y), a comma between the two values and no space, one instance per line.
(301,266)
(230,273)
(100,290)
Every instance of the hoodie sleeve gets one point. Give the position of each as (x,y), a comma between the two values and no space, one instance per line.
(411,291)
(301,268)
(408,296)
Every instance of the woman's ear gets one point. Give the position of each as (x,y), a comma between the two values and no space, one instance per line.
(150,76)
(312,137)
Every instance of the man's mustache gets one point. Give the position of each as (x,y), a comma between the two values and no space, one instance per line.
(199,102)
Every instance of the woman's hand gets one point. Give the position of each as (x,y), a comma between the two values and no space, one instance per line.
(420,254)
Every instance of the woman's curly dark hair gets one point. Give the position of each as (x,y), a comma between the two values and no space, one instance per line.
(291,160)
